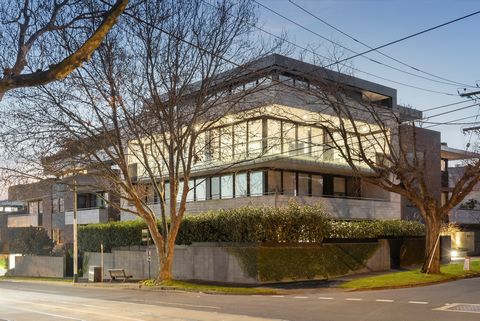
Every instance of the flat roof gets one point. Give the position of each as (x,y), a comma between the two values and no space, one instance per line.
(456,154)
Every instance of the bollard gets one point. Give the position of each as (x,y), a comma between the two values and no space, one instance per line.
(466,263)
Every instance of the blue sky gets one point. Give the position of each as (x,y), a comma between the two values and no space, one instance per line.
(451,52)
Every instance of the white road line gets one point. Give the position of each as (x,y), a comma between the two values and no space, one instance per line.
(353,299)
(278,296)
(417,302)
(325,298)
(300,297)
(44,313)
(383,300)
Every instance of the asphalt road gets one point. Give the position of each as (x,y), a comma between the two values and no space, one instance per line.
(21,301)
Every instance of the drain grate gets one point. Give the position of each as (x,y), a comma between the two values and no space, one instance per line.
(461,307)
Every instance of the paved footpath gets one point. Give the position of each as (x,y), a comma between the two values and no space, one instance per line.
(452,301)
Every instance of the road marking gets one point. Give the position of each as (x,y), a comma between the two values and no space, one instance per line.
(417,302)
(172,303)
(383,300)
(325,298)
(353,299)
(278,296)
(45,313)
(300,297)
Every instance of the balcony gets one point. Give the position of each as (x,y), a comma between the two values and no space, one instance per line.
(465,216)
(336,207)
(23,220)
(87,215)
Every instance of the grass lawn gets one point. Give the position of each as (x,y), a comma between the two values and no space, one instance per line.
(414,277)
(206,288)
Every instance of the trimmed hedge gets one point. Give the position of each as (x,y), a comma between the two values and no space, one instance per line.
(270,263)
(291,224)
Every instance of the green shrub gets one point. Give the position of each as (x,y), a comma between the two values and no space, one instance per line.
(291,224)
(32,241)
(376,229)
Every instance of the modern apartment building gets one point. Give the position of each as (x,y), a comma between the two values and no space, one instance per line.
(276,149)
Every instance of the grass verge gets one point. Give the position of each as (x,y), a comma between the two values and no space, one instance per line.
(206,288)
(450,272)
(37,279)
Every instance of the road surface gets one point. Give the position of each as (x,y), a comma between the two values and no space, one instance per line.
(22,301)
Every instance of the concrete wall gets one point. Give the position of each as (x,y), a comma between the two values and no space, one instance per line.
(345,208)
(39,266)
(206,262)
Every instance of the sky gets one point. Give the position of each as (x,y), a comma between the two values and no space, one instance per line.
(450,52)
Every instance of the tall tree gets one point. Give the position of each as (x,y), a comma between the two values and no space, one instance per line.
(29,51)
(387,150)
(141,114)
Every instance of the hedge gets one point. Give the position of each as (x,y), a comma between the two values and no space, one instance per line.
(291,224)
(270,263)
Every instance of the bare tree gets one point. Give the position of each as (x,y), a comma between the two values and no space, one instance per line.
(30,55)
(388,151)
(146,110)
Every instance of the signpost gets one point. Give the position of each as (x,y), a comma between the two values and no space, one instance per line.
(146,238)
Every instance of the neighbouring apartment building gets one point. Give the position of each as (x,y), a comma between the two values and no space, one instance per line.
(264,156)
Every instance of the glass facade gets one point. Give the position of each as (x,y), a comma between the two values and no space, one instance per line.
(268,182)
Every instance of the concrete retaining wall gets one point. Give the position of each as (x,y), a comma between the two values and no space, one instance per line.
(39,266)
(207,262)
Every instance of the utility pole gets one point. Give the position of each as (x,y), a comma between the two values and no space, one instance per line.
(75,231)
(470,94)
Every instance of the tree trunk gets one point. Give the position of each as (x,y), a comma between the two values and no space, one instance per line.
(431,264)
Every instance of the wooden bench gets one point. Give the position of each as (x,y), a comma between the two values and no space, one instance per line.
(118,274)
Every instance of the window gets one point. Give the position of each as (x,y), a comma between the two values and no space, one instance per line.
(339,186)
(274,137)
(200,148)
(255,147)
(317,185)
(241,185)
(328,147)
(289,138)
(303,143)
(353,186)
(167,192)
(215,188)
(289,183)
(303,184)
(33,207)
(191,192)
(256,183)
(227,186)
(226,148)
(87,200)
(214,145)
(443,164)
(240,141)
(316,141)
(200,189)
(274,182)
(179,191)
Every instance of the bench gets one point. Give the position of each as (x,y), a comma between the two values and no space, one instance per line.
(118,274)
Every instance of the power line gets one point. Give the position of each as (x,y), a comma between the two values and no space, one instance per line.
(410,36)
(337,62)
(445,80)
